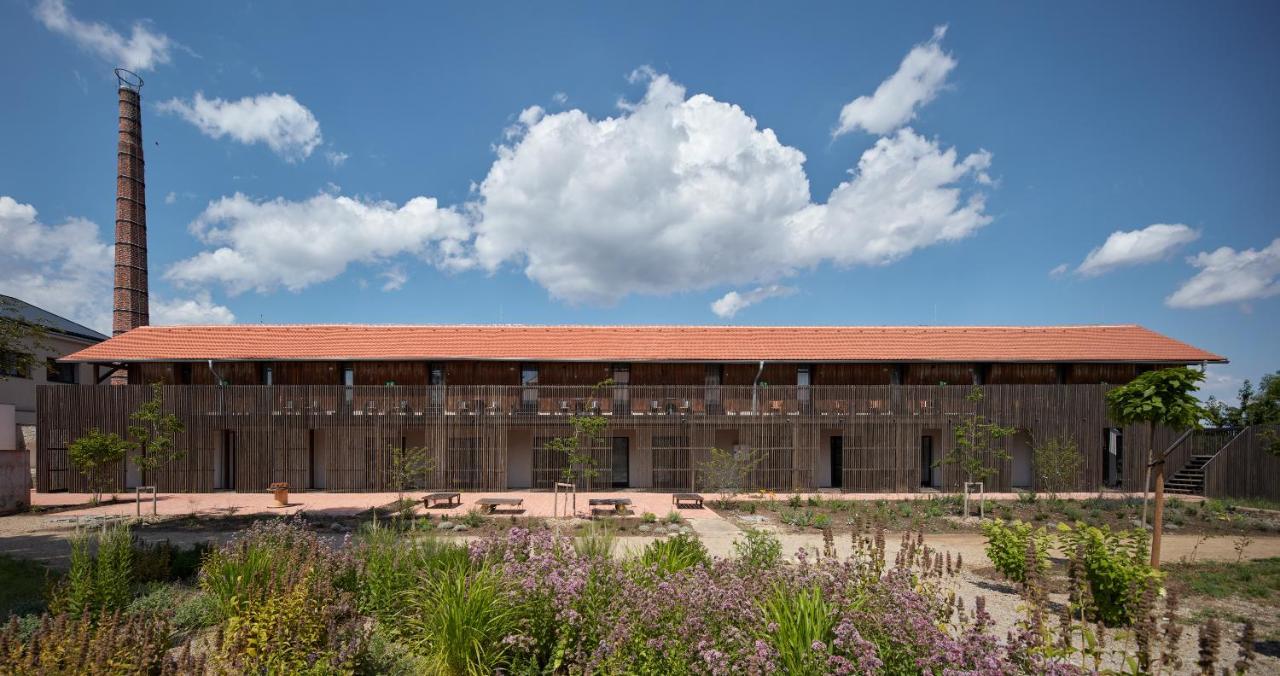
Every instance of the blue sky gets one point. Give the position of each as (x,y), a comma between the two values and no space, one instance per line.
(660,163)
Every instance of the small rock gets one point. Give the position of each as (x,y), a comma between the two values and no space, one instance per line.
(1171,526)
(460,527)
(1137,523)
(644,528)
(445,525)
(753,518)
(686,530)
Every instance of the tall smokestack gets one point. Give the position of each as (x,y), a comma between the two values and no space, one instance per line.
(130,308)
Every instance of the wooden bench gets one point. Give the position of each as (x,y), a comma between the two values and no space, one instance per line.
(679,499)
(449,499)
(490,505)
(619,505)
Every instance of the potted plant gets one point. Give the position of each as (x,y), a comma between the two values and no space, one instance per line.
(281,491)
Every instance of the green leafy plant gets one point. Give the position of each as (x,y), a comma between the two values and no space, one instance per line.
(1166,398)
(803,619)
(408,468)
(19,342)
(1007,547)
(96,454)
(598,542)
(757,550)
(728,472)
(675,553)
(153,433)
(649,517)
(673,517)
(101,582)
(1115,567)
(1058,462)
(459,619)
(975,450)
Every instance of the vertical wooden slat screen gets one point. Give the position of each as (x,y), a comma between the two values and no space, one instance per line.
(1246,467)
(341,438)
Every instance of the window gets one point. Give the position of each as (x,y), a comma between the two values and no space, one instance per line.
(714,376)
(436,374)
(268,374)
(60,373)
(15,365)
(622,389)
(529,379)
(804,376)
(348,380)
(183,374)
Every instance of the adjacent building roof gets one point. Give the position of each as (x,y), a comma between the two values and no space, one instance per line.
(362,342)
(27,313)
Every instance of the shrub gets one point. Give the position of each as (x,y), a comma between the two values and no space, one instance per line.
(794,501)
(303,627)
(388,566)
(1028,497)
(101,582)
(673,517)
(757,550)
(163,561)
(1007,545)
(821,520)
(1058,462)
(649,517)
(674,553)
(265,558)
(472,519)
(109,643)
(800,518)
(1116,567)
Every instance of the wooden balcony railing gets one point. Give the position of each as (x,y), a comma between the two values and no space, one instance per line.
(547,400)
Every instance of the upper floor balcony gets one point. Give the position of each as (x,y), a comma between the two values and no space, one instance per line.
(606,400)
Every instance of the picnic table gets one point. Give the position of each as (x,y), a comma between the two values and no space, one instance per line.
(449,499)
(490,505)
(619,505)
(681,498)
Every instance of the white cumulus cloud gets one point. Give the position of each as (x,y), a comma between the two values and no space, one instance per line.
(286,127)
(335,158)
(199,309)
(922,73)
(685,192)
(142,50)
(1230,276)
(67,269)
(1135,247)
(263,245)
(734,302)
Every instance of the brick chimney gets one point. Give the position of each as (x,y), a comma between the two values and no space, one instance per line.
(129,304)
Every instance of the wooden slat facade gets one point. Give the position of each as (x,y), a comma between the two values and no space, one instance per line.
(331,437)
(1245,468)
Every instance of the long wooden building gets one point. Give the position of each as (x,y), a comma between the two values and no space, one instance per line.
(853,408)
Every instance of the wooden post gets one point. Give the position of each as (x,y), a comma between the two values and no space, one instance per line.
(1157,520)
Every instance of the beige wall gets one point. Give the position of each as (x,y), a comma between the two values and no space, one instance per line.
(21,392)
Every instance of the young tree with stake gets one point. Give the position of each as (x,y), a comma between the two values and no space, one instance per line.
(1167,398)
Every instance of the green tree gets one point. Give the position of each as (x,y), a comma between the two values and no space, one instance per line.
(1058,462)
(727,472)
(975,443)
(588,431)
(409,468)
(20,341)
(1165,397)
(153,434)
(95,454)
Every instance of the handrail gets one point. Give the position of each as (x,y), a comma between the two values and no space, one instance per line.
(1172,447)
(1240,433)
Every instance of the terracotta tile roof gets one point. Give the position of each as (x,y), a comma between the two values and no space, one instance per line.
(1126,343)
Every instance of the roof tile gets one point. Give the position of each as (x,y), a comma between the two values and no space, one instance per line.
(1119,343)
